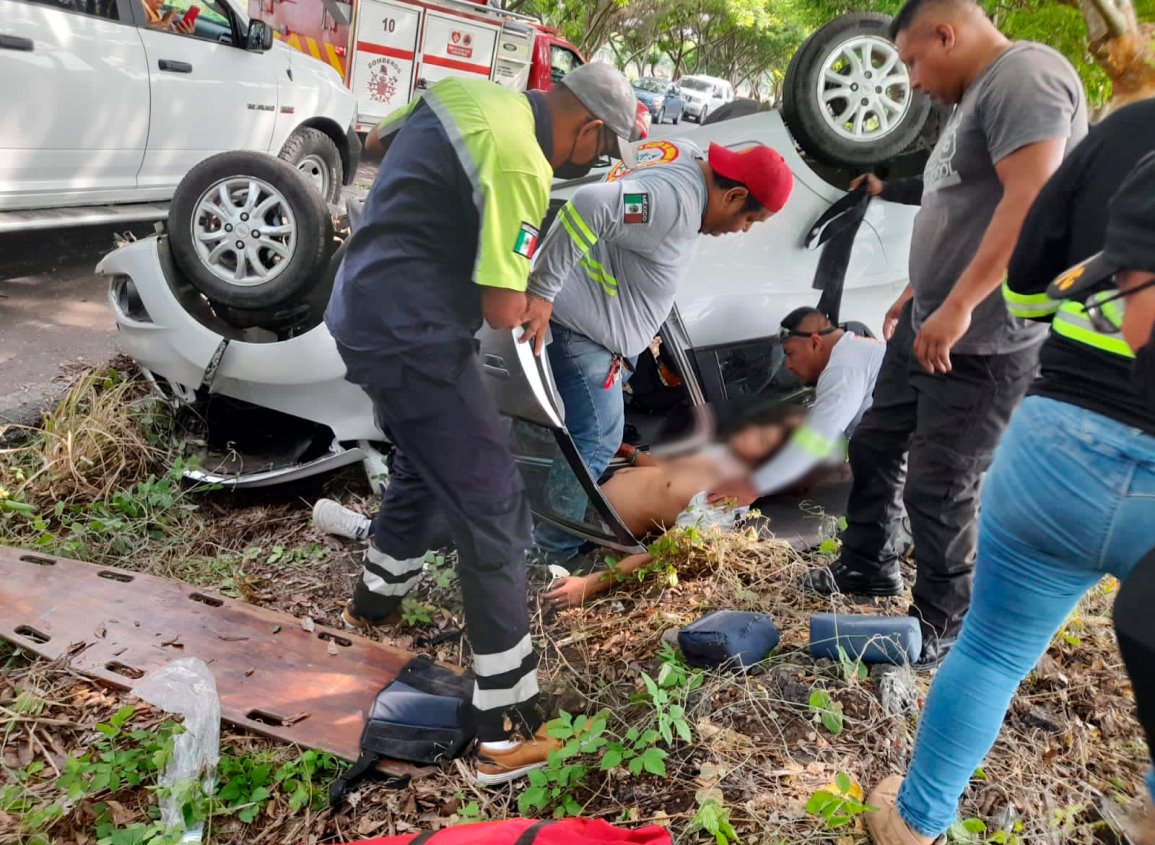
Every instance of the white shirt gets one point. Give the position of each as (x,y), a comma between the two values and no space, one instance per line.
(844,391)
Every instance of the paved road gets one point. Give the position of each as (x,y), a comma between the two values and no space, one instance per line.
(53,316)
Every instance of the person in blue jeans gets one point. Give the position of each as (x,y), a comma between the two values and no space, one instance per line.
(605,278)
(1071,493)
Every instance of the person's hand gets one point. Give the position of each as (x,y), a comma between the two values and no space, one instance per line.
(739,493)
(536,321)
(184,28)
(168,18)
(571,591)
(890,321)
(873,184)
(938,335)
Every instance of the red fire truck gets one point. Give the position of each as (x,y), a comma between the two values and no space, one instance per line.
(387,50)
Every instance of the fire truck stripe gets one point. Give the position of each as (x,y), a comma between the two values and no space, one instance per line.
(438,61)
(294,42)
(391,52)
(313,47)
(334,59)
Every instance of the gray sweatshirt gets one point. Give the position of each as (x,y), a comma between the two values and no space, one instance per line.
(613,260)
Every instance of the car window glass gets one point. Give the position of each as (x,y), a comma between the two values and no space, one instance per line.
(756,371)
(96,8)
(561,62)
(552,487)
(211,23)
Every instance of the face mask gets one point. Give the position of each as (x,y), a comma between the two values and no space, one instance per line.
(570,169)
(1143,373)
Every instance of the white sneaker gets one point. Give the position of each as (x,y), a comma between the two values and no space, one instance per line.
(334,518)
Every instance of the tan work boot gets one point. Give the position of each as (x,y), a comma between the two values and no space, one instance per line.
(351,620)
(1142,825)
(885,825)
(502,766)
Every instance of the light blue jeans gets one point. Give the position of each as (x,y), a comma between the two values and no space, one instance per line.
(595,417)
(1070,498)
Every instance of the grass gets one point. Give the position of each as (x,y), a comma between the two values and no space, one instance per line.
(715,757)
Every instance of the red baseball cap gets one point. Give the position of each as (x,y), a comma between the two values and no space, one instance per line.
(761,169)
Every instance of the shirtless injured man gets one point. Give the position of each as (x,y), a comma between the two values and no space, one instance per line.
(654,496)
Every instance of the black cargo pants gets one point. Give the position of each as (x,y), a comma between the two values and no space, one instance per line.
(945,428)
(452,466)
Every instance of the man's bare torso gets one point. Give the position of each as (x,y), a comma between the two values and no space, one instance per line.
(650,499)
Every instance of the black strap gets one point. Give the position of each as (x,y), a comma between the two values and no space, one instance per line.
(340,787)
(835,218)
(530,833)
(837,235)
(422,838)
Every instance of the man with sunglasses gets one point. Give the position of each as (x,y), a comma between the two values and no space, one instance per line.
(445,241)
(1071,494)
(606,277)
(843,367)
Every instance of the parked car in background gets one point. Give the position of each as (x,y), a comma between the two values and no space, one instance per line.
(103,110)
(704,94)
(662,97)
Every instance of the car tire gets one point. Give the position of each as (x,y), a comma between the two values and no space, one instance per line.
(313,153)
(837,130)
(661,118)
(705,114)
(735,108)
(226,197)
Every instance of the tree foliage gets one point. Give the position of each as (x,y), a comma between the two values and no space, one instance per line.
(750,42)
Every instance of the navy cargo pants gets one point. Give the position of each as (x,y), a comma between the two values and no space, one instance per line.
(452,466)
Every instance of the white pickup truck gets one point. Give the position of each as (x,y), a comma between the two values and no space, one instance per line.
(105,112)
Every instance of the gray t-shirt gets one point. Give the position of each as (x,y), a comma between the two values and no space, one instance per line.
(1029,94)
(614,257)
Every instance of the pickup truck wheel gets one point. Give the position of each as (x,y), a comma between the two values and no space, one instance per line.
(249,231)
(846,97)
(313,153)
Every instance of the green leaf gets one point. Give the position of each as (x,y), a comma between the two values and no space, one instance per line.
(819,801)
(832,720)
(828,547)
(842,781)
(611,759)
(683,731)
(534,798)
(979,774)
(842,523)
(651,687)
(819,699)
(635,766)
(538,778)
(654,761)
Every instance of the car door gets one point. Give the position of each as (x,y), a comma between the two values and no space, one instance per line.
(209,93)
(75,100)
(550,465)
(674,101)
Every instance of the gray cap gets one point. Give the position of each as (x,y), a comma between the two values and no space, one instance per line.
(605,91)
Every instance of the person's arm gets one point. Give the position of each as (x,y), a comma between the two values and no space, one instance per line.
(379,138)
(1022,174)
(575,590)
(1043,250)
(842,390)
(906,191)
(513,202)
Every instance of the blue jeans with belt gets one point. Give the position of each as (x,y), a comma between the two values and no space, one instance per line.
(595,417)
(1070,498)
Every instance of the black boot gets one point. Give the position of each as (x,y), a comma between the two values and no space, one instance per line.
(840,578)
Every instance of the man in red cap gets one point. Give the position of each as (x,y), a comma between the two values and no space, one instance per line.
(607,273)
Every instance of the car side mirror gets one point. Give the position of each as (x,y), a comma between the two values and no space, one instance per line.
(260,37)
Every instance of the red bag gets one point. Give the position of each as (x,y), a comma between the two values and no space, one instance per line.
(533,832)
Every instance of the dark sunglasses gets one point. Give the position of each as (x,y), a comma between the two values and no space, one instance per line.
(1105,308)
(784,334)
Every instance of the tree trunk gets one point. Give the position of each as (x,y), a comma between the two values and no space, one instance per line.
(1123,47)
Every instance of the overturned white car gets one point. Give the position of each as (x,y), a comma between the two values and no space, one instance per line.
(238,345)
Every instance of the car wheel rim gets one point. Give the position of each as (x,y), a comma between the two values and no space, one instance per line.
(863,89)
(315,168)
(244,231)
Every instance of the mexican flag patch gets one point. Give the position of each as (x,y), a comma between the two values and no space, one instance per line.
(635,208)
(526,243)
